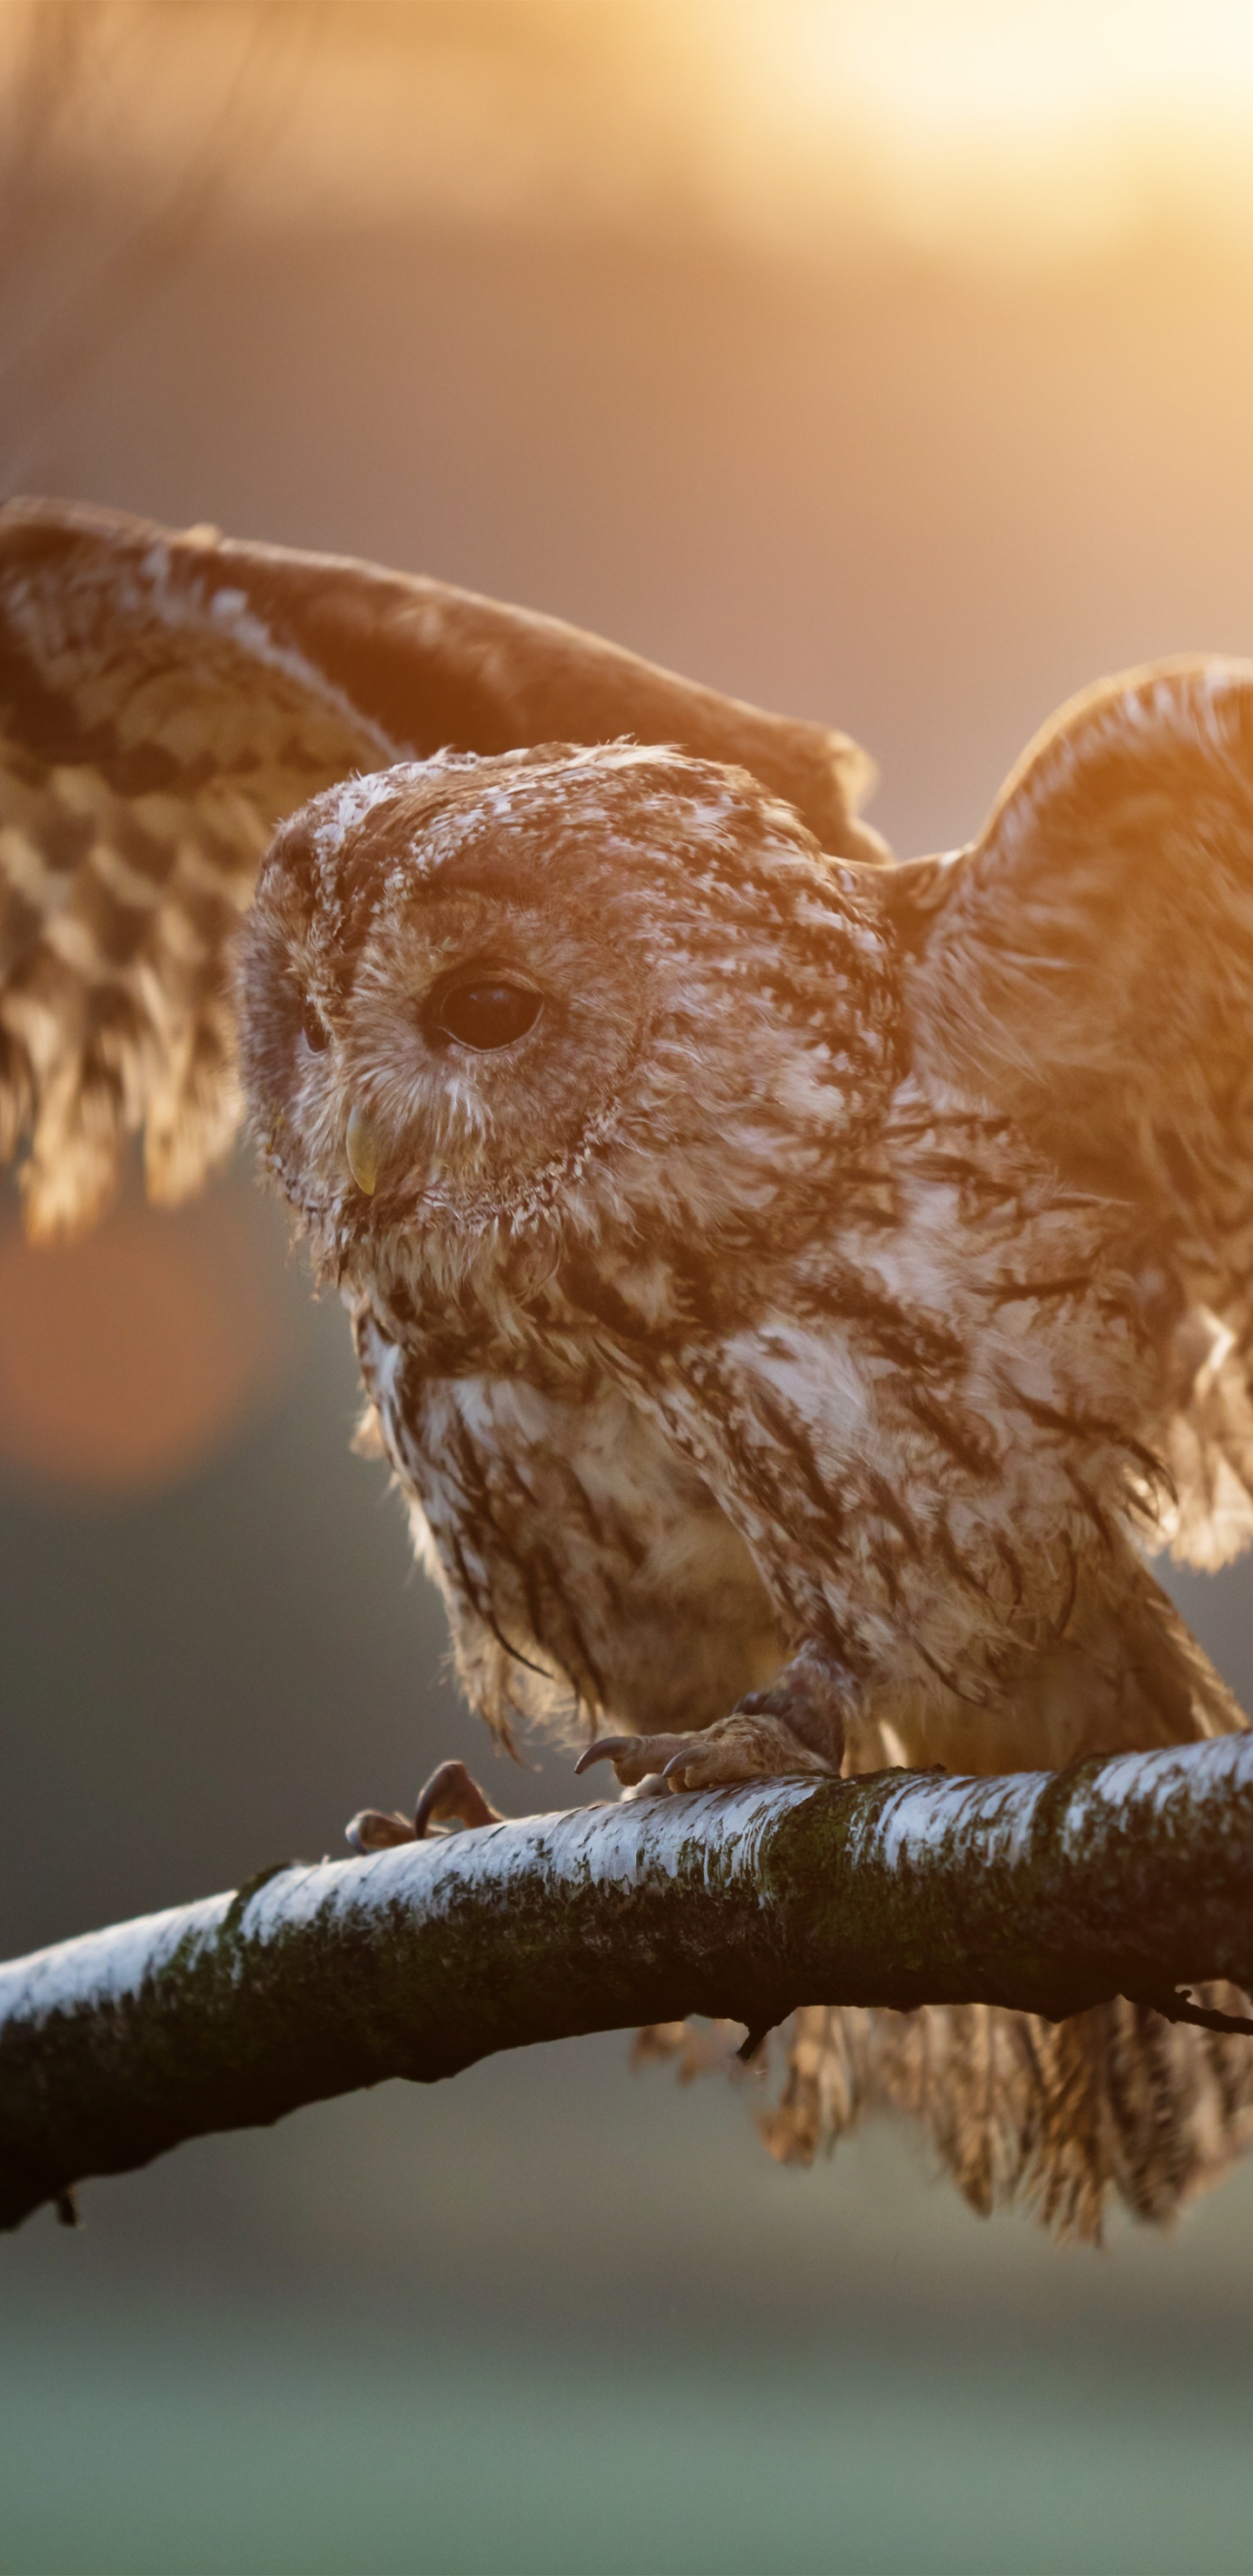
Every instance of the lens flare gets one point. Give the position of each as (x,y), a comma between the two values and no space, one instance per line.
(129,1359)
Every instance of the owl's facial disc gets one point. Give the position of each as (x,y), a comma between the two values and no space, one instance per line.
(452,1055)
(488,993)
(482,1012)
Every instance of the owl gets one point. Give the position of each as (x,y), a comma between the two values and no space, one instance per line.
(795,1292)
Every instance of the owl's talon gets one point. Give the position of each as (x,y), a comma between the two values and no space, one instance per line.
(676,1764)
(451,1796)
(606,1749)
(635,1758)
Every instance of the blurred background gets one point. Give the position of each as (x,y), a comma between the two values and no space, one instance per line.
(886,363)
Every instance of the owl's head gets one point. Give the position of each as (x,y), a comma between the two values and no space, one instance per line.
(613,989)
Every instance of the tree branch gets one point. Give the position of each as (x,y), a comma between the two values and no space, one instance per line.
(1049,1892)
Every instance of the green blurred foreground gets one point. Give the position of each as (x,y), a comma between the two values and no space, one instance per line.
(310,2443)
(556,2318)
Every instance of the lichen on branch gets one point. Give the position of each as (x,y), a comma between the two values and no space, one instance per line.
(1045,1892)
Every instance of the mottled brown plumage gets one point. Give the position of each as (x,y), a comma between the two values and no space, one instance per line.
(792,1291)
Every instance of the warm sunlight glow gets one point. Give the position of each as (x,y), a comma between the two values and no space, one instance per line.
(129,1359)
(1005,72)
(1005,124)
(984,130)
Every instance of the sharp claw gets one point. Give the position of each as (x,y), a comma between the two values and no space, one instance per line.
(607,1749)
(678,1762)
(450,1791)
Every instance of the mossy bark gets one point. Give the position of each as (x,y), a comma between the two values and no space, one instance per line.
(1047,1891)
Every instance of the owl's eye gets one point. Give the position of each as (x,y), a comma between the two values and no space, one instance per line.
(313,1028)
(484,1012)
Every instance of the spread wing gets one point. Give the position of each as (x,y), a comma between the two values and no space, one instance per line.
(164,701)
(1087,968)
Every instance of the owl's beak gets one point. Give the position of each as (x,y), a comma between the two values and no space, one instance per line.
(364,1149)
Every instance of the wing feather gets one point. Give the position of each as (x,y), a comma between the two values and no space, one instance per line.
(1114,2107)
(151,736)
(1086,968)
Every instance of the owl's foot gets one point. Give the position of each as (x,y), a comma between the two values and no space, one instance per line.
(739,1747)
(796,1725)
(450,1798)
(811,1698)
